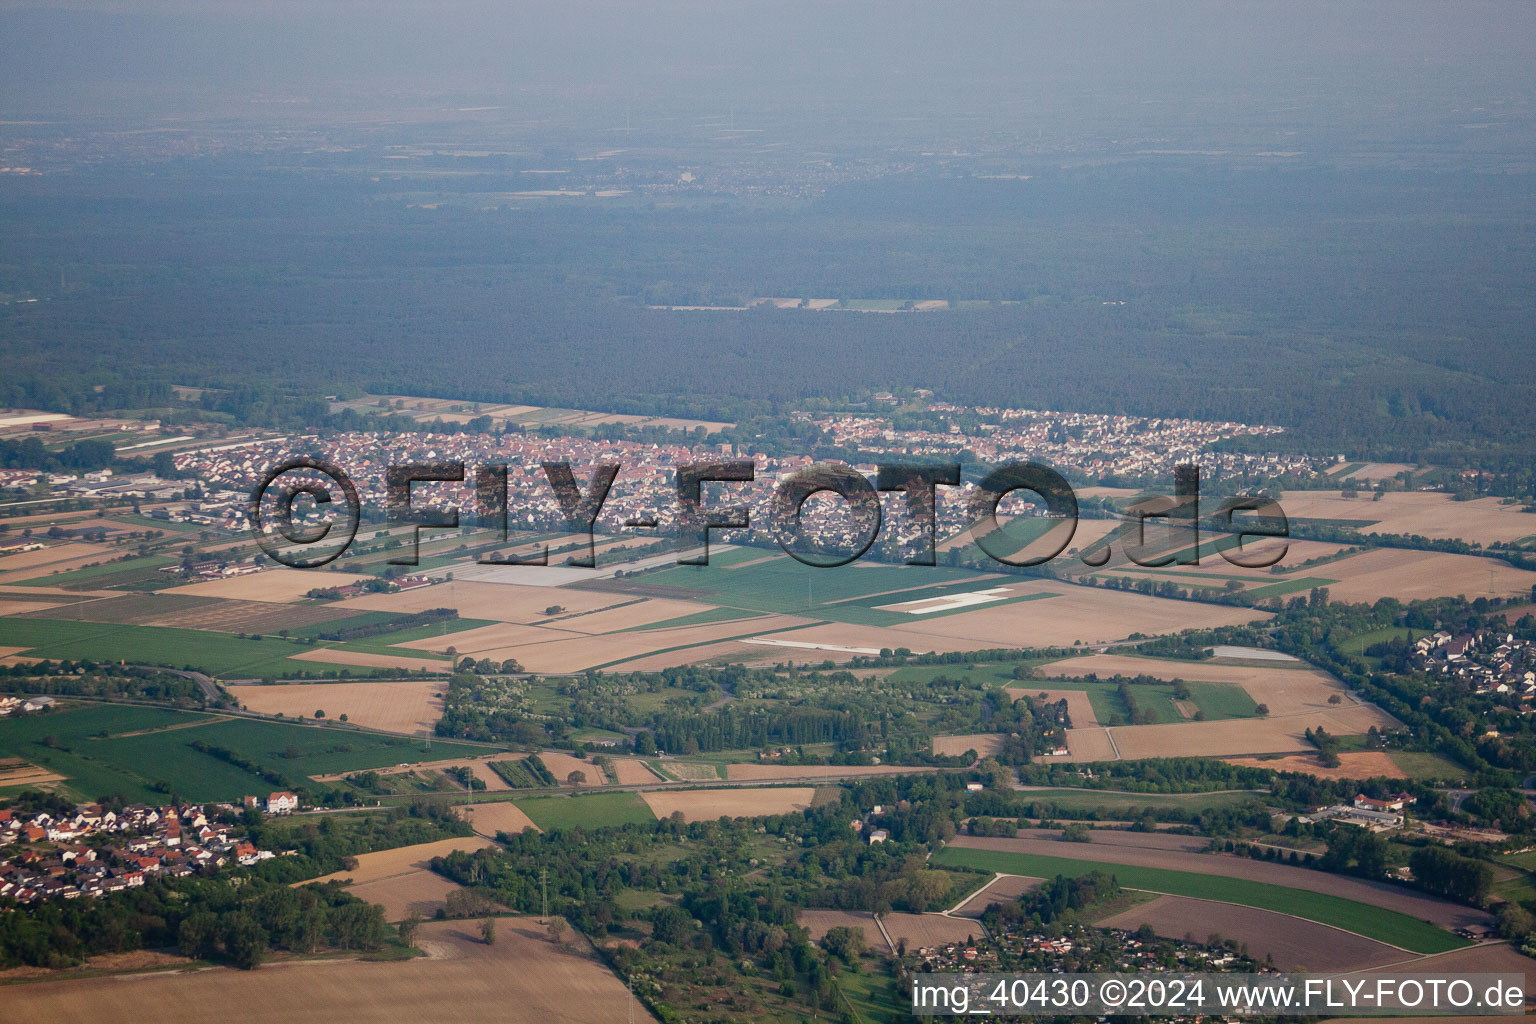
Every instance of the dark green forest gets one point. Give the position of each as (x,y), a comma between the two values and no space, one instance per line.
(1379,313)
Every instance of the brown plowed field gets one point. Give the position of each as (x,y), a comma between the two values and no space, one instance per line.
(709,804)
(1446,915)
(984,743)
(501,816)
(402,880)
(819,922)
(523,977)
(279,586)
(409,707)
(1415,575)
(1001,890)
(499,602)
(1294,943)
(931,929)
(1425,513)
(1361,764)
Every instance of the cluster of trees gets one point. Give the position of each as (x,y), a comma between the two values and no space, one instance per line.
(1054,900)
(93,679)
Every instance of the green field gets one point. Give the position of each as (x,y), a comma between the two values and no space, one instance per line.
(851,594)
(108,574)
(1118,802)
(220,654)
(1360,918)
(595,811)
(88,744)
(1420,765)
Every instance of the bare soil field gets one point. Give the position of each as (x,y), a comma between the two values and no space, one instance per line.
(406,707)
(279,586)
(1381,894)
(922,930)
(499,602)
(30,565)
(629,616)
(480,766)
(1090,744)
(1413,575)
(1001,890)
(1491,958)
(362,659)
(1360,764)
(789,772)
(709,804)
(1294,943)
(23,607)
(1377,471)
(523,977)
(1425,513)
(819,922)
(402,880)
(16,772)
(562,765)
(575,653)
(165,609)
(1073,613)
(1277,734)
(984,743)
(734,651)
(632,772)
(487,638)
(1079,707)
(501,816)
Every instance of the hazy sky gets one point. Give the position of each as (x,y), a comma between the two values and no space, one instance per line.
(881,59)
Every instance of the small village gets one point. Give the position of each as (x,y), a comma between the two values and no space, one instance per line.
(96,850)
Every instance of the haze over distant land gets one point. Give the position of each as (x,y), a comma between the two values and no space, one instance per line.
(1339,76)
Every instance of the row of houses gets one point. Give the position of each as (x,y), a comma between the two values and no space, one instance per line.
(1491,661)
(94,850)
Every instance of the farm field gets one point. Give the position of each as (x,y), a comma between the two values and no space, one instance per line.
(402,880)
(1002,889)
(487,819)
(1294,943)
(105,575)
(1427,514)
(1120,804)
(14,772)
(599,809)
(366,659)
(279,586)
(404,707)
(159,608)
(103,749)
(1072,614)
(1277,734)
(460,978)
(756,772)
(709,804)
(1410,575)
(217,653)
(1359,764)
(480,765)
(819,922)
(931,929)
(1284,687)
(984,744)
(498,602)
(1268,886)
